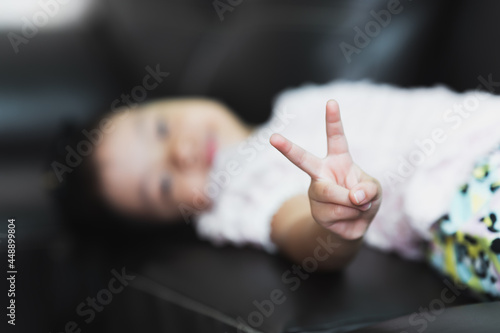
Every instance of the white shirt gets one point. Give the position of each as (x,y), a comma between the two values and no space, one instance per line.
(419,143)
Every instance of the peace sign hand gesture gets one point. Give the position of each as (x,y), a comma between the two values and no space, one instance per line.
(343,198)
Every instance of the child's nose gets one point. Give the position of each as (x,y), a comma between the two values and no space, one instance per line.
(183,156)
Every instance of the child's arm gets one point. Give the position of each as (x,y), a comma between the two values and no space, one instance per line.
(341,203)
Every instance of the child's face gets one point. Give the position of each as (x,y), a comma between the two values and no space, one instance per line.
(159,156)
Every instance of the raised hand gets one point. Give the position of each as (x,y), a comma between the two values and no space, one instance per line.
(343,198)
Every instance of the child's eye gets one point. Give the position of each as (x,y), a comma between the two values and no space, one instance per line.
(165,186)
(161,129)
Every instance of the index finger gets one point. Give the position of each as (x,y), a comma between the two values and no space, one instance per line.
(304,160)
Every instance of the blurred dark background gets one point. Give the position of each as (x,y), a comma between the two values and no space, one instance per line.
(243,53)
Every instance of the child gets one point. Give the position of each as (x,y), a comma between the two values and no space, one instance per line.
(193,158)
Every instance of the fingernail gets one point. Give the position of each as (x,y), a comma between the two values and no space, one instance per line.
(359,195)
(366,206)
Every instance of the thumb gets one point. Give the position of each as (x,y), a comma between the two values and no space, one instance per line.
(363,193)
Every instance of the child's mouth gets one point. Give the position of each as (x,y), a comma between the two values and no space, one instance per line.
(211,149)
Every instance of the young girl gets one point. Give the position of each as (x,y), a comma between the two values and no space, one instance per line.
(430,155)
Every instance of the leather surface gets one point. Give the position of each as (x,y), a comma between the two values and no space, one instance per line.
(461,319)
(231,282)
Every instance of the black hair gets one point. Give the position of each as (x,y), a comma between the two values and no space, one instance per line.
(76,187)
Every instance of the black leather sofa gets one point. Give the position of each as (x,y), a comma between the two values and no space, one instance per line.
(183,284)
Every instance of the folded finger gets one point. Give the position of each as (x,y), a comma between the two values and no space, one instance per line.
(327,213)
(329,192)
